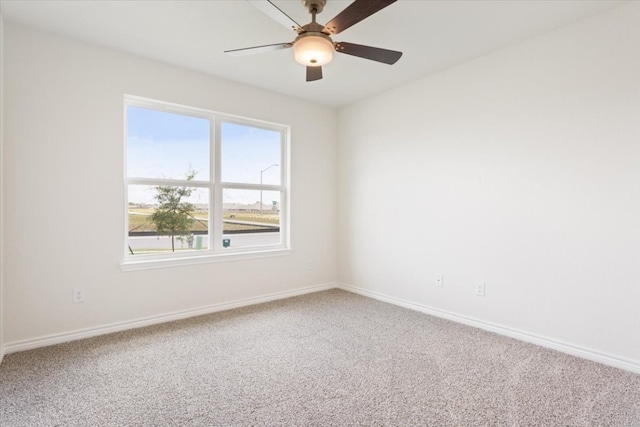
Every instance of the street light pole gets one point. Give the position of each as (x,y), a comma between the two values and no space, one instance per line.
(261,172)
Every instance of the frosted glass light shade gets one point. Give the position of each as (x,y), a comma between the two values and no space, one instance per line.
(313,51)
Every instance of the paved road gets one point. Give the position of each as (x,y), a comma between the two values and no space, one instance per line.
(237,240)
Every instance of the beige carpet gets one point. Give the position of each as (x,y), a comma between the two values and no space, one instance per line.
(325,359)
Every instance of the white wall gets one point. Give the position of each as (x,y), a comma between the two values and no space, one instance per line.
(1,183)
(520,168)
(63,170)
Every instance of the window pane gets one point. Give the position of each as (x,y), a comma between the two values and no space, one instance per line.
(245,223)
(250,155)
(181,212)
(166,145)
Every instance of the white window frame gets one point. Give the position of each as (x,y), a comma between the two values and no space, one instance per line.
(215,251)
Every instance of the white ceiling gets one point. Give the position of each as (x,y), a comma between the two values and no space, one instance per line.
(434,35)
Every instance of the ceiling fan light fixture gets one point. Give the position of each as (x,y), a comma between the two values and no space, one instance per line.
(313,50)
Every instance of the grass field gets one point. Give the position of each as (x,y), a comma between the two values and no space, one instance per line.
(264,218)
(140,220)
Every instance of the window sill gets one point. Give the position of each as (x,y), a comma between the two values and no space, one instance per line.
(130,264)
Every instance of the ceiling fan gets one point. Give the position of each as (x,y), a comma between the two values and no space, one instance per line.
(314,47)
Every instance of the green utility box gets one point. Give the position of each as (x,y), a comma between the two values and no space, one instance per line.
(226,243)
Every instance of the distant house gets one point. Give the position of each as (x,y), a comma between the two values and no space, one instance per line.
(273,206)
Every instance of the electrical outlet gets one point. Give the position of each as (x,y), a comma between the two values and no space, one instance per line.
(480,289)
(310,265)
(439,280)
(78,294)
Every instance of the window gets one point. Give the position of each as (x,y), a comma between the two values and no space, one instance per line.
(201,185)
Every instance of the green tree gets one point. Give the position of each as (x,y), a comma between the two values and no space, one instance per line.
(174,216)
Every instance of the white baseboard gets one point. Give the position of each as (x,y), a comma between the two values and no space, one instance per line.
(47,340)
(585,353)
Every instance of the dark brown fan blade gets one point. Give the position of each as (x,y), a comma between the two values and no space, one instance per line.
(367,52)
(314,73)
(354,13)
(275,13)
(258,49)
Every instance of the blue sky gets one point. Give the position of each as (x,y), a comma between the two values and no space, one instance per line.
(166,145)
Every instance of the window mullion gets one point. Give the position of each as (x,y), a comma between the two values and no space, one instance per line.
(218,208)
(168,182)
(284,190)
(263,187)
